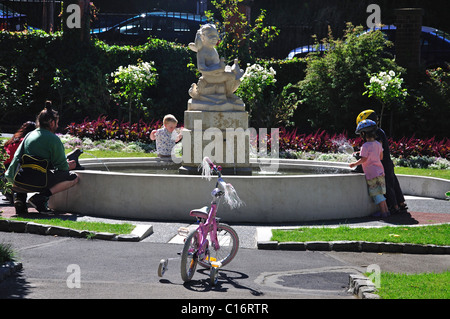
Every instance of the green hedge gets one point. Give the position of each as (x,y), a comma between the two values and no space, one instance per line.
(83,90)
(84,70)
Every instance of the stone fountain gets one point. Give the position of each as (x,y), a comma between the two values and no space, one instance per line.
(215,121)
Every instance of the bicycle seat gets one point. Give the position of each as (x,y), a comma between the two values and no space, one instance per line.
(200,212)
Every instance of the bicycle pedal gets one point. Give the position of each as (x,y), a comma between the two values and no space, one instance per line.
(216,264)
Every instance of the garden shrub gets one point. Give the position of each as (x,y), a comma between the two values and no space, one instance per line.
(428,105)
(334,83)
(75,77)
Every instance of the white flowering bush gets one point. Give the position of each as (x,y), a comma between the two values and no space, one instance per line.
(131,83)
(267,106)
(387,87)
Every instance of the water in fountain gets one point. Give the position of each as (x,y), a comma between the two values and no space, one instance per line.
(97,159)
(344,147)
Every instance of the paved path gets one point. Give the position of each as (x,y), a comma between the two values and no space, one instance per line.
(123,270)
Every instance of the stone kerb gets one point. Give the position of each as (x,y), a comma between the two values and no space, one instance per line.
(356,246)
(140,232)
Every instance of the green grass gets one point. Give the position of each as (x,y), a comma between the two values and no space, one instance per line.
(439,173)
(414,286)
(436,234)
(6,253)
(81,225)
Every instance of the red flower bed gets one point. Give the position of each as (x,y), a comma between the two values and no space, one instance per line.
(104,129)
(320,141)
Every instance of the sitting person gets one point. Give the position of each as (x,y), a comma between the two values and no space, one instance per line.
(44,145)
(166,137)
(11,146)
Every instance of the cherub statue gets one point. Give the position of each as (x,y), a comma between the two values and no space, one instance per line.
(218,81)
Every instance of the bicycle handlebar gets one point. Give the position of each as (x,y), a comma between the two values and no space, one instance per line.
(231,197)
(216,168)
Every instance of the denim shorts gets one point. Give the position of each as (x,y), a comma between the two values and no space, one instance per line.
(378,199)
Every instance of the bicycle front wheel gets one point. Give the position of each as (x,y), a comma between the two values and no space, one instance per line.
(189,256)
(228,246)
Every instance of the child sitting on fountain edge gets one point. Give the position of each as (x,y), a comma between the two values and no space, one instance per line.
(166,137)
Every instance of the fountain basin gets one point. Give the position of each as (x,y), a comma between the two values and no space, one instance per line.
(268,199)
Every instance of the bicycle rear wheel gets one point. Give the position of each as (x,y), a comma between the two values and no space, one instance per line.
(189,258)
(229,245)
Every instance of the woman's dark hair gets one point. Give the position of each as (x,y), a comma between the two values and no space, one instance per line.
(46,116)
(26,128)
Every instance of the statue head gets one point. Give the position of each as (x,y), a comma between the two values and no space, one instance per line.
(207,35)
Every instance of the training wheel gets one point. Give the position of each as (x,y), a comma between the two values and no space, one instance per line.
(163,266)
(214,272)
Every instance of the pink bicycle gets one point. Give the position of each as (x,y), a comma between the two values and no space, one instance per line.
(212,244)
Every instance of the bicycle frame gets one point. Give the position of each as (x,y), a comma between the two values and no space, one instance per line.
(210,225)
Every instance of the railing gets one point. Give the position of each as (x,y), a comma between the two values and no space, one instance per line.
(18,15)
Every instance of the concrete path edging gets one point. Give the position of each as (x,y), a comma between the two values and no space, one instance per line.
(356,246)
(362,287)
(139,232)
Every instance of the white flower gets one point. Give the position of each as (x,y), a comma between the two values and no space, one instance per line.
(391,73)
(383,88)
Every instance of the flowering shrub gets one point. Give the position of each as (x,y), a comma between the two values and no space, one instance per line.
(133,80)
(386,87)
(267,107)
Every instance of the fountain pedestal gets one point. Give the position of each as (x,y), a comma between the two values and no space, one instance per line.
(215,123)
(221,135)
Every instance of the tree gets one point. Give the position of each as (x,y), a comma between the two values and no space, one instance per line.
(240,39)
